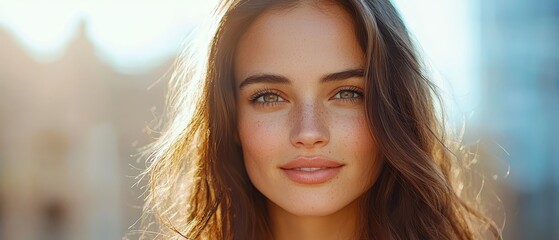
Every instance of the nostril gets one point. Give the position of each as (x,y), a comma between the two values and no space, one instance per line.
(310,137)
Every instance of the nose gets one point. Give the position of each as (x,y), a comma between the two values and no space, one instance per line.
(309,128)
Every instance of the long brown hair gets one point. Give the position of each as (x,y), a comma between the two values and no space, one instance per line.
(198,185)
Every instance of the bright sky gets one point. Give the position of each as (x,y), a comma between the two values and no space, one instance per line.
(131,34)
(448,33)
(138,34)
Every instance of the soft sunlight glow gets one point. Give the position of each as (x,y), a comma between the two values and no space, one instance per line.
(447,32)
(42,28)
(129,34)
(134,35)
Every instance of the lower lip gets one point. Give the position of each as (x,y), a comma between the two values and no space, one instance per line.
(314,177)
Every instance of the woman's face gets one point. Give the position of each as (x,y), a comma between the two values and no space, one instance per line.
(302,127)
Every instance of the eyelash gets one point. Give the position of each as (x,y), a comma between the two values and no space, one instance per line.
(264,92)
(353,90)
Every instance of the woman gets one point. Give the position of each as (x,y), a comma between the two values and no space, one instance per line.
(309,120)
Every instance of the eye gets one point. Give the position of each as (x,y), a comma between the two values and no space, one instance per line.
(266,97)
(269,97)
(348,94)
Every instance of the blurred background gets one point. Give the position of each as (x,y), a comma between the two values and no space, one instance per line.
(81,82)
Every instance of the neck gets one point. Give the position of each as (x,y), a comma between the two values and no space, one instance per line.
(339,225)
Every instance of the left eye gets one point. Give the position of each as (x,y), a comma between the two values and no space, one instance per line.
(347,94)
(269,98)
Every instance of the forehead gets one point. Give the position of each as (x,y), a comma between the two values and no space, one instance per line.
(316,39)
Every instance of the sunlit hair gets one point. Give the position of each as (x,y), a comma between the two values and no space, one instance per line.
(198,185)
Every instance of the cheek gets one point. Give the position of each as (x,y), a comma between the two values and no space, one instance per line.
(260,137)
(362,134)
(356,144)
(353,130)
(363,141)
(367,150)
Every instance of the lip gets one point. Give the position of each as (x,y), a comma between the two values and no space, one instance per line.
(311,170)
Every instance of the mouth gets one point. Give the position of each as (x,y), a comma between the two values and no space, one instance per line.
(307,169)
(311,170)
(311,164)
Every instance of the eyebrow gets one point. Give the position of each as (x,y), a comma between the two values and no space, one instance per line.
(278,79)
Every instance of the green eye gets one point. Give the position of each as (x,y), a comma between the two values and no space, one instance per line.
(269,97)
(348,94)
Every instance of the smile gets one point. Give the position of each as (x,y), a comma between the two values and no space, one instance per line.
(307,169)
(311,170)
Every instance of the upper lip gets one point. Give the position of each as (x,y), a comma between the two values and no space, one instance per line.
(311,162)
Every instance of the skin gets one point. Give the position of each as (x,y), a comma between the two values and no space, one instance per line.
(303,115)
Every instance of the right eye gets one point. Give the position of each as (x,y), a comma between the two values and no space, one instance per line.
(266,97)
(269,97)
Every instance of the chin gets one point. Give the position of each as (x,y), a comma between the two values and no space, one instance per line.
(312,209)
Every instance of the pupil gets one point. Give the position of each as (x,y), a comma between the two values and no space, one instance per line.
(271,98)
(346,94)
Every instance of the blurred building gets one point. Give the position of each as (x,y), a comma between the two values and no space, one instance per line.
(67,133)
(520,63)
(68,130)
